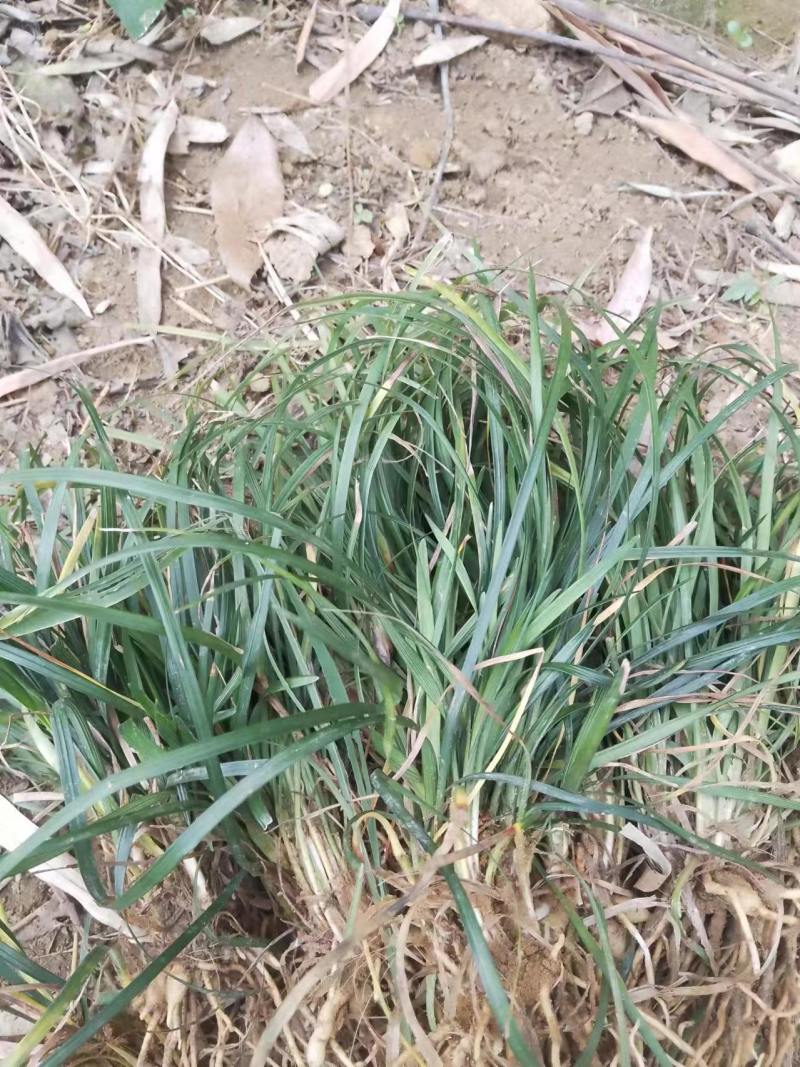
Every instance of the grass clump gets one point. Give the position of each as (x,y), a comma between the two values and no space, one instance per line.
(473,637)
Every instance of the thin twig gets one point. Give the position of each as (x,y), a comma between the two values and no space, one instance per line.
(761,233)
(743,201)
(719,69)
(369,12)
(21,379)
(447,141)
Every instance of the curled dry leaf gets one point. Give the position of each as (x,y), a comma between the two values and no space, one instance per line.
(299,240)
(357,58)
(223,31)
(305,33)
(699,147)
(26,242)
(658,867)
(604,94)
(152,212)
(192,129)
(448,48)
(246,196)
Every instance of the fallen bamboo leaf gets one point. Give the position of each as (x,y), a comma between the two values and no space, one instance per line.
(305,34)
(604,94)
(699,147)
(787,159)
(26,242)
(60,872)
(626,304)
(153,215)
(23,379)
(223,31)
(448,48)
(641,81)
(356,59)
(246,195)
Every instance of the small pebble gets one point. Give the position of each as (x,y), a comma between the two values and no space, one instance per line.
(584,123)
(325,190)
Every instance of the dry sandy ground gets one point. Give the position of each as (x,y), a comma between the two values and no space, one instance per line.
(530,179)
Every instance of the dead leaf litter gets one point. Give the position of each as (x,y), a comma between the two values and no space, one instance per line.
(299,134)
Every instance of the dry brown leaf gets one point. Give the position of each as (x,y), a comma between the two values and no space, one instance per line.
(246,195)
(61,872)
(223,31)
(153,215)
(356,59)
(448,48)
(398,225)
(641,81)
(26,242)
(305,34)
(699,147)
(604,94)
(626,304)
(286,132)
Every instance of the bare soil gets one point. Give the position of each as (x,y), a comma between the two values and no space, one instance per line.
(531,180)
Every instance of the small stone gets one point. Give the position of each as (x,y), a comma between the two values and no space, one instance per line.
(584,123)
(325,190)
(359,245)
(783,223)
(423,152)
(477,195)
(420,30)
